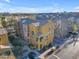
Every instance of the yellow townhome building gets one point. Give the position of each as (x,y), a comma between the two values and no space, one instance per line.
(3,36)
(40,33)
(5,48)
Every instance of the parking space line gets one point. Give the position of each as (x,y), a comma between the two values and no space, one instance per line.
(56,56)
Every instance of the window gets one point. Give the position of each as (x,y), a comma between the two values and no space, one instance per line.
(32,33)
(36,38)
(40,45)
(6,53)
(0,39)
(41,39)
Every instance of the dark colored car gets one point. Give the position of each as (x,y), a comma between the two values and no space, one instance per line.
(32,55)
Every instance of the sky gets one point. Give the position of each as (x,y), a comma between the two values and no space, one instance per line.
(39,6)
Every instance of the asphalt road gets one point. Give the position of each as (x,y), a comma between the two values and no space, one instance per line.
(69,52)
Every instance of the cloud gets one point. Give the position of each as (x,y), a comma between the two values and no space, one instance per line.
(76,9)
(46,9)
(18,9)
(34,10)
(3,4)
(7,1)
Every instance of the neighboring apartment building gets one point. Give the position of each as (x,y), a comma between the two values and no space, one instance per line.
(6,52)
(24,28)
(17,22)
(3,36)
(5,47)
(38,33)
(11,25)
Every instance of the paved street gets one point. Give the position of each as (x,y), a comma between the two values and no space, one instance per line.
(69,52)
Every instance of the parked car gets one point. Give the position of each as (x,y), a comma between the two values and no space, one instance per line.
(32,55)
